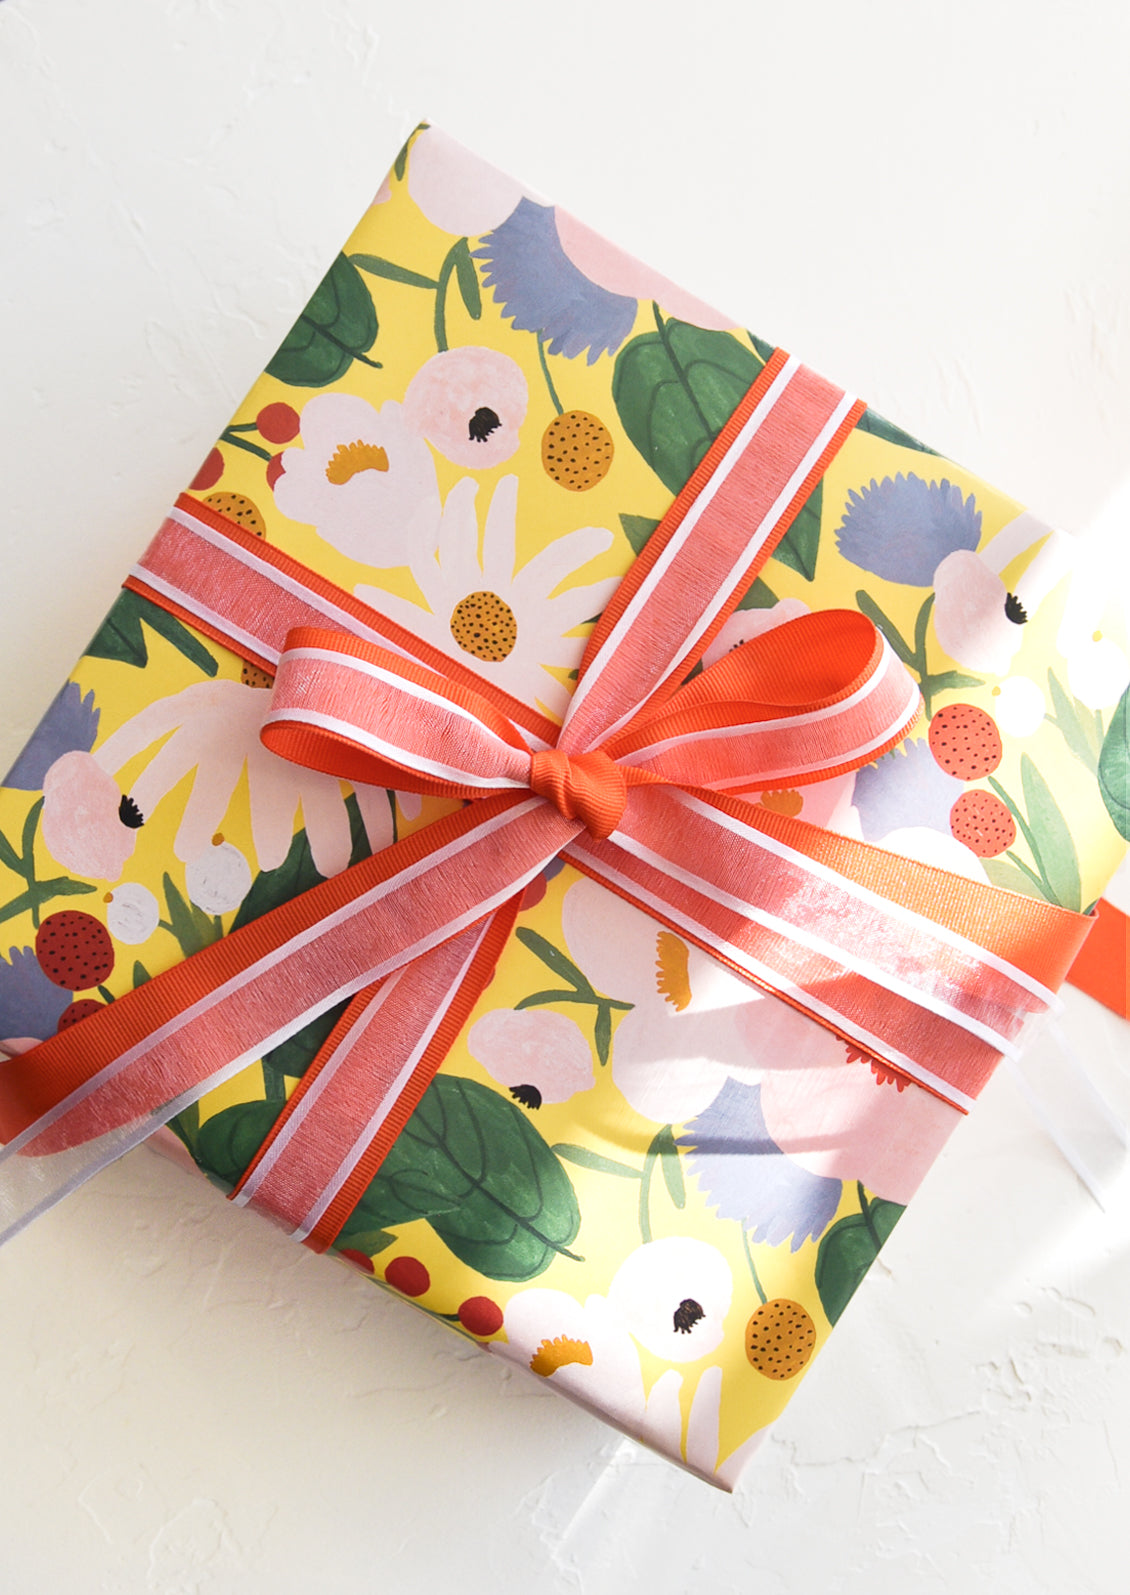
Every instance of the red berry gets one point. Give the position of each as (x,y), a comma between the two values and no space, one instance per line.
(408,1275)
(278,423)
(275,469)
(74,950)
(534,892)
(209,473)
(78,1010)
(480,1316)
(358,1259)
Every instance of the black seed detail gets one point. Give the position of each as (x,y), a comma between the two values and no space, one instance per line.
(687,1314)
(528,1095)
(482,424)
(130,814)
(1015,611)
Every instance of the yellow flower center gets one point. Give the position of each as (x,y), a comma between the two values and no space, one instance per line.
(560,1353)
(672,977)
(483,624)
(789,803)
(1096,636)
(349,459)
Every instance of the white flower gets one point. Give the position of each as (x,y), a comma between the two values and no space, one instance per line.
(456,190)
(979,622)
(215,734)
(673,1296)
(132,913)
(682,1039)
(1018,706)
(539,1055)
(469,403)
(1097,667)
(507,625)
(363,479)
(219,878)
(927,846)
(745,624)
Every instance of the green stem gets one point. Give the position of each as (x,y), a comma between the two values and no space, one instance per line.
(442,281)
(556,402)
(242,443)
(1041,879)
(757,1285)
(649,1162)
(243,426)
(392,806)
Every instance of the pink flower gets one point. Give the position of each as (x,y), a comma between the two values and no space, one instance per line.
(456,190)
(469,403)
(538,1054)
(620,273)
(81,825)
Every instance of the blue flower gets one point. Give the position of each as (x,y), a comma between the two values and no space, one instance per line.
(744,1174)
(69,726)
(30,1004)
(905,787)
(540,289)
(902,527)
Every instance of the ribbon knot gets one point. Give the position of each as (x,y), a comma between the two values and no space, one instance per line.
(589,787)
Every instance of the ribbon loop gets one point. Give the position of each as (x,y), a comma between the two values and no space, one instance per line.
(589,787)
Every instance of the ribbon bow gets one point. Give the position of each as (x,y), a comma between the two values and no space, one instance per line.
(636,789)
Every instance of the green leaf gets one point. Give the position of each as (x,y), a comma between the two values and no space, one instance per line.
(228,1141)
(759,596)
(564,968)
(140,974)
(468,280)
(297,873)
(368,1241)
(583,1158)
(471,1163)
(121,638)
(602,1032)
(42,892)
(376,266)
(1057,857)
(667,1151)
(336,328)
(801,543)
(27,837)
(9,857)
(765,350)
(539,999)
(867,606)
(1114,767)
(674,390)
(295,1055)
(186,1126)
(847,1252)
(1080,728)
(637,529)
(191,926)
(880,427)
(1009,877)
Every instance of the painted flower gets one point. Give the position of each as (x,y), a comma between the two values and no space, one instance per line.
(682,1039)
(587,1353)
(212,731)
(928,846)
(363,479)
(673,1296)
(69,726)
(903,527)
(906,787)
(469,403)
(87,825)
(219,878)
(132,913)
(831,1112)
(30,1004)
(508,625)
(554,276)
(1018,706)
(979,619)
(1097,667)
(538,1055)
(744,1175)
(456,190)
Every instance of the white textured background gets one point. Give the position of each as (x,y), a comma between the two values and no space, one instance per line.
(927,202)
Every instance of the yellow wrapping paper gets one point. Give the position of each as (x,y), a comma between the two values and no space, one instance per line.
(650,1184)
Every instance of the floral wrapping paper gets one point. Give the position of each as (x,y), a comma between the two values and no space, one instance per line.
(635,1175)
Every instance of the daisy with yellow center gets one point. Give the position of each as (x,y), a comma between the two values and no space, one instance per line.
(511,625)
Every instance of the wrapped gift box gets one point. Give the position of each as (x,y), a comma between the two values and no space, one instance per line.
(636,1174)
